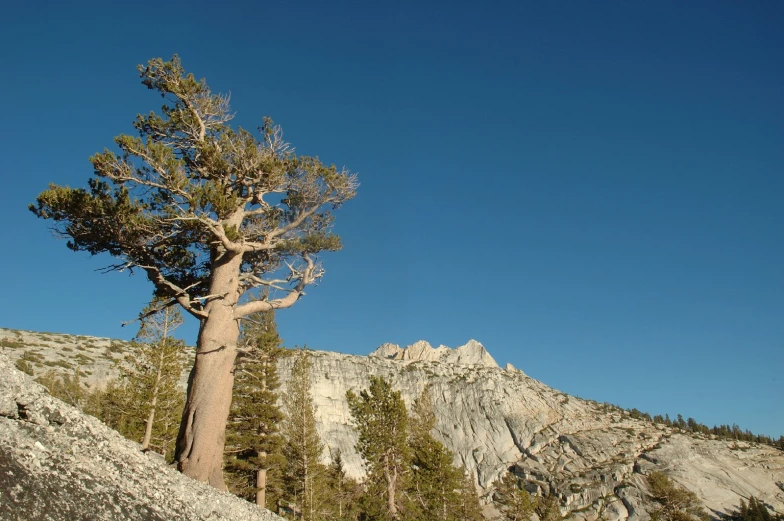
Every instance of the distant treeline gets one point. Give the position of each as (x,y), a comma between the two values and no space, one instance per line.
(690,425)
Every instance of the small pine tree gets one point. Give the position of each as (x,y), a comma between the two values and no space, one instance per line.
(513,500)
(109,403)
(146,402)
(253,458)
(343,491)
(548,508)
(469,507)
(674,503)
(382,423)
(65,387)
(304,474)
(755,510)
(436,484)
(155,370)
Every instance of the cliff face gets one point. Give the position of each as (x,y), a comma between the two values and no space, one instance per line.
(593,457)
(57,464)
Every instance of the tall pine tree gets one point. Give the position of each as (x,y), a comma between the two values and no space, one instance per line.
(436,484)
(382,422)
(305,475)
(253,459)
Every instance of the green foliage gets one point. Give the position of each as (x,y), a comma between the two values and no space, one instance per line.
(25,366)
(344,492)
(304,477)
(513,500)
(146,402)
(674,503)
(253,443)
(114,348)
(436,486)
(469,507)
(66,387)
(692,426)
(187,184)
(381,420)
(410,474)
(755,510)
(13,344)
(548,508)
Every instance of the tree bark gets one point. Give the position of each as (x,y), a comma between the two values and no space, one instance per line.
(391,478)
(202,434)
(261,485)
(148,427)
(153,402)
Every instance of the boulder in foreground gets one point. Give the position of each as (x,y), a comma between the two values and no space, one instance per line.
(57,464)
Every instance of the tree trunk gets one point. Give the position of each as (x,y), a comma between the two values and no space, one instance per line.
(148,427)
(304,461)
(391,478)
(261,481)
(202,434)
(261,485)
(153,403)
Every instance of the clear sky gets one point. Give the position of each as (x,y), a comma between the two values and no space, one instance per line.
(593,190)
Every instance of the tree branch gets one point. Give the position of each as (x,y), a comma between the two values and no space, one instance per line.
(308,275)
(174,291)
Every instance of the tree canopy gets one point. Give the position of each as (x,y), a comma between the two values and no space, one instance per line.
(189,184)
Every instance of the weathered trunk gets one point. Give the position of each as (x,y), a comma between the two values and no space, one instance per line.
(261,486)
(202,434)
(391,478)
(153,403)
(305,490)
(150,421)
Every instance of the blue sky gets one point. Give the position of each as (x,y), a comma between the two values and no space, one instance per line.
(593,190)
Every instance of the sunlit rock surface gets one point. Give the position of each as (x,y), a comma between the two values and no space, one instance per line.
(593,457)
(57,464)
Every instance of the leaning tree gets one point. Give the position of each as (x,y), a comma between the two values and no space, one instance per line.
(211,215)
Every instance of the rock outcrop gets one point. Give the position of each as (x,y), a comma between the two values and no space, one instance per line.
(57,464)
(472,353)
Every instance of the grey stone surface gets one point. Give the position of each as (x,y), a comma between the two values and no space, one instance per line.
(57,464)
(594,457)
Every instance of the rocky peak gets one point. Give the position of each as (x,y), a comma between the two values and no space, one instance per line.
(472,353)
(389,351)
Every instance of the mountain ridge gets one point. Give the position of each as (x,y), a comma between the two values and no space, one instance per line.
(594,457)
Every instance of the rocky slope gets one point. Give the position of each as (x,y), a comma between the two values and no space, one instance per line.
(57,464)
(592,456)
